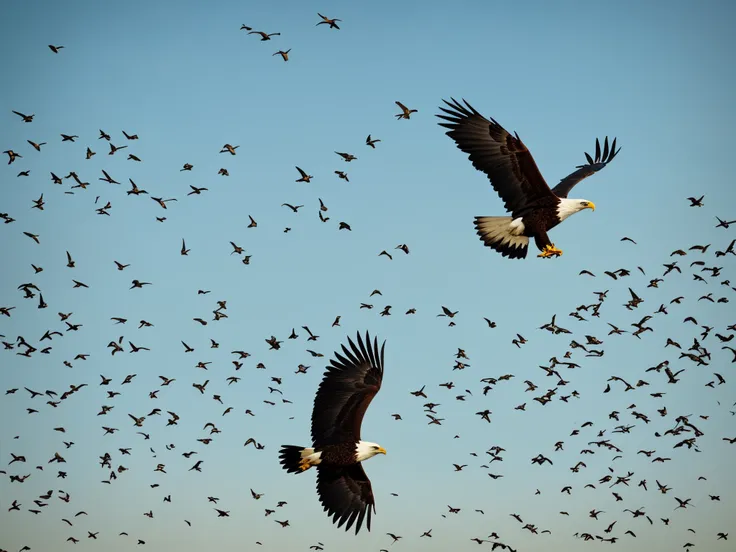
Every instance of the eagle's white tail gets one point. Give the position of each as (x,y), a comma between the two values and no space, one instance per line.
(297,459)
(504,234)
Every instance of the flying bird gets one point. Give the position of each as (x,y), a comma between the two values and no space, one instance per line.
(227,148)
(304,177)
(264,36)
(371,141)
(346,156)
(721,223)
(327,21)
(535,208)
(346,391)
(12,156)
(26,118)
(37,147)
(405,111)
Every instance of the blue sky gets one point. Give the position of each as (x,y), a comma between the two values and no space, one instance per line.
(186,80)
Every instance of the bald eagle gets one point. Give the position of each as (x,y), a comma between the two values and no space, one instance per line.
(535,208)
(346,391)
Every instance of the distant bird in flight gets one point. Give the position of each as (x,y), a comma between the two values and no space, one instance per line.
(229,149)
(371,141)
(26,118)
(405,111)
(346,391)
(37,147)
(264,36)
(346,156)
(327,21)
(724,224)
(55,49)
(284,54)
(304,176)
(535,208)
(12,156)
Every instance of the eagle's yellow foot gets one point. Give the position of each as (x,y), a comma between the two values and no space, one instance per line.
(304,465)
(550,251)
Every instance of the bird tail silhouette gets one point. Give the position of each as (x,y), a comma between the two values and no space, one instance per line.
(291,457)
(504,234)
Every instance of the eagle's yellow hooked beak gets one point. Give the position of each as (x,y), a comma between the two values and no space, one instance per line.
(591,206)
(382,450)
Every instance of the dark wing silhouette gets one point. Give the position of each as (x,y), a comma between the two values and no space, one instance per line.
(504,158)
(348,387)
(592,167)
(346,495)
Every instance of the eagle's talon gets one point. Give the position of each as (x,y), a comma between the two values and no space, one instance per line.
(304,465)
(550,251)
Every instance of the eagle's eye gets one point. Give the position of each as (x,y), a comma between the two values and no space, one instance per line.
(375,448)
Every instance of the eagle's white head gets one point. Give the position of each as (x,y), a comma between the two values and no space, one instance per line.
(569,207)
(365,450)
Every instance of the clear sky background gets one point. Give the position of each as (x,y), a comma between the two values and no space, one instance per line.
(186,80)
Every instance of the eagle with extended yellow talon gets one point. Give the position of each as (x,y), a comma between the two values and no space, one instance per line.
(535,208)
(348,387)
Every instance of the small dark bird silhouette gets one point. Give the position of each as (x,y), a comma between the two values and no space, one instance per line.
(327,21)
(405,111)
(371,141)
(263,35)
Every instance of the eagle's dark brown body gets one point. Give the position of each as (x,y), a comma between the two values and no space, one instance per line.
(342,454)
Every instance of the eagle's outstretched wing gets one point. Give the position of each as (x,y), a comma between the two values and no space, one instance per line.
(592,167)
(502,156)
(347,388)
(346,495)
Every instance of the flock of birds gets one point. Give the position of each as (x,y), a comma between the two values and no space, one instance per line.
(333,24)
(703,361)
